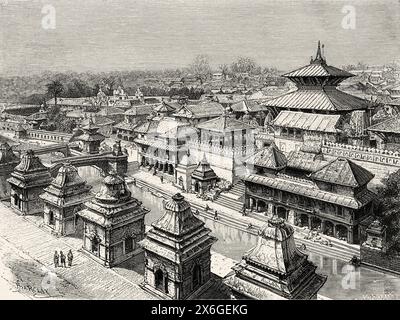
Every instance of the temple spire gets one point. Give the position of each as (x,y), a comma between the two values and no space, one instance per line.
(319,58)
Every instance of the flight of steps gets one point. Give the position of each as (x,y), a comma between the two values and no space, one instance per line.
(233,199)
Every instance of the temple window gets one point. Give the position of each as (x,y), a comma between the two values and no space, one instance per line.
(129,245)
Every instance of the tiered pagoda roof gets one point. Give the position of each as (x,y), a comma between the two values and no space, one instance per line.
(67,189)
(270,158)
(204,171)
(344,172)
(275,268)
(316,84)
(113,205)
(30,172)
(178,235)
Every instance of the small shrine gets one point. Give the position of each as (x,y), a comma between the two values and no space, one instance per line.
(63,198)
(113,223)
(184,171)
(27,182)
(177,253)
(203,177)
(91,138)
(376,236)
(275,268)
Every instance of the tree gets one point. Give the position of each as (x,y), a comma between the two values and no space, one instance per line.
(224,69)
(55,88)
(244,65)
(200,67)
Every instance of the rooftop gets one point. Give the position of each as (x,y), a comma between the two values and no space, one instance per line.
(224,123)
(270,157)
(345,172)
(308,121)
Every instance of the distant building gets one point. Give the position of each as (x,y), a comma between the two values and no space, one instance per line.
(177,253)
(275,268)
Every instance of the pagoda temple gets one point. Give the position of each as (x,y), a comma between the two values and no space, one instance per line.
(113,223)
(63,198)
(335,113)
(8,161)
(275,269)
(91,138)
(177,253)
(27,181)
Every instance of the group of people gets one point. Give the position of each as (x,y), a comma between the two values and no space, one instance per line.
(60,259)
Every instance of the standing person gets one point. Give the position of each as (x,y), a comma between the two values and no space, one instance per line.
(62,259)
(215,215)
(70,256)
(55,259)
(161,179)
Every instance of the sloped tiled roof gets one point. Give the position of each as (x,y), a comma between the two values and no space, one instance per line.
(308,121)
(224,123)
(143,109)
(343,172)
(271,158)
(248,106)
(318,70)
(391,125)
(200,110)
(329,99)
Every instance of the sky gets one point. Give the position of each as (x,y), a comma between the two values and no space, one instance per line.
(108,35)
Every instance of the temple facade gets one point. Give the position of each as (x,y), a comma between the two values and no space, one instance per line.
(275,268)
(177,253)
(113,223)
(63,198)
(27,182)
(308,191)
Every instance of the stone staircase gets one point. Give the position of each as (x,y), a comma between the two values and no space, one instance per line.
(234,198)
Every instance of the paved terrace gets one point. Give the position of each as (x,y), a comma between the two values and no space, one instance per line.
(28,258)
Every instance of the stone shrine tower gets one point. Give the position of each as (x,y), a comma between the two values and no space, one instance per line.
(91,138)
(63,198)
(113,223)
(27,182)
(275,268)
(203,177)
(177,253)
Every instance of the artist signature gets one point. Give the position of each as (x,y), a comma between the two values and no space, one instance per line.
(27,287)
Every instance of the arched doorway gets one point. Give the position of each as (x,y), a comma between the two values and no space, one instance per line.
(328,228)
(196,276)
(261,206)
(51,218)
(341,232)
(281,213)
(316,224)
(159,280)
(197,186)
(303,220)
